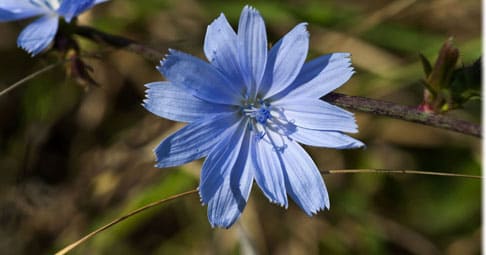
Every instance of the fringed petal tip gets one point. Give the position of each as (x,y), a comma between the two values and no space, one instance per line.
(201,200)
(38,36)
(158,164)
(347,71)
(305,27)
(168,59)
(340,57)
(354,128)
(318,210)
(344,58)
(354,144)
(323,207)
(359,145)
(170,51)
(284,205)
(146,101)
(221,16)
(223,224)
(249,8)
(148,91)
(344,55)
(32,52)
(217,225)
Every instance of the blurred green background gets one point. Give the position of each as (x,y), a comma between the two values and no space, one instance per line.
(73,159)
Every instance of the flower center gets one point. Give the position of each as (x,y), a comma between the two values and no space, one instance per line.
(260,115)
(258,111)
(268,123)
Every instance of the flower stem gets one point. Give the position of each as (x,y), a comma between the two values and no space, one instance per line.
(119,42)
(362,104)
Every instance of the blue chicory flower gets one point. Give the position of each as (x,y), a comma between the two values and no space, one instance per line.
(247,109)
(37,36)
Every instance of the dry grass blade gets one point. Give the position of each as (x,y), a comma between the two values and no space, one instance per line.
(156,203)
(44,70)
(29,77)
(392,171)
(134,212)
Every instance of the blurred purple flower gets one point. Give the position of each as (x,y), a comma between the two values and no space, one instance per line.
(246,110)
(38,35)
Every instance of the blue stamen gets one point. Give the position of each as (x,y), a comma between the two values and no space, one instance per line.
(262,115)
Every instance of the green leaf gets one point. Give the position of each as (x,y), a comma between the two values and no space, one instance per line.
(426,64)
(466,83)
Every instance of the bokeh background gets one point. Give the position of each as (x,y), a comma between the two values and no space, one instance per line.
(73,159)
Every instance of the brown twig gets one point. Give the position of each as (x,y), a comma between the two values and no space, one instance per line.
(402,112)
(119,42)
(362,104)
